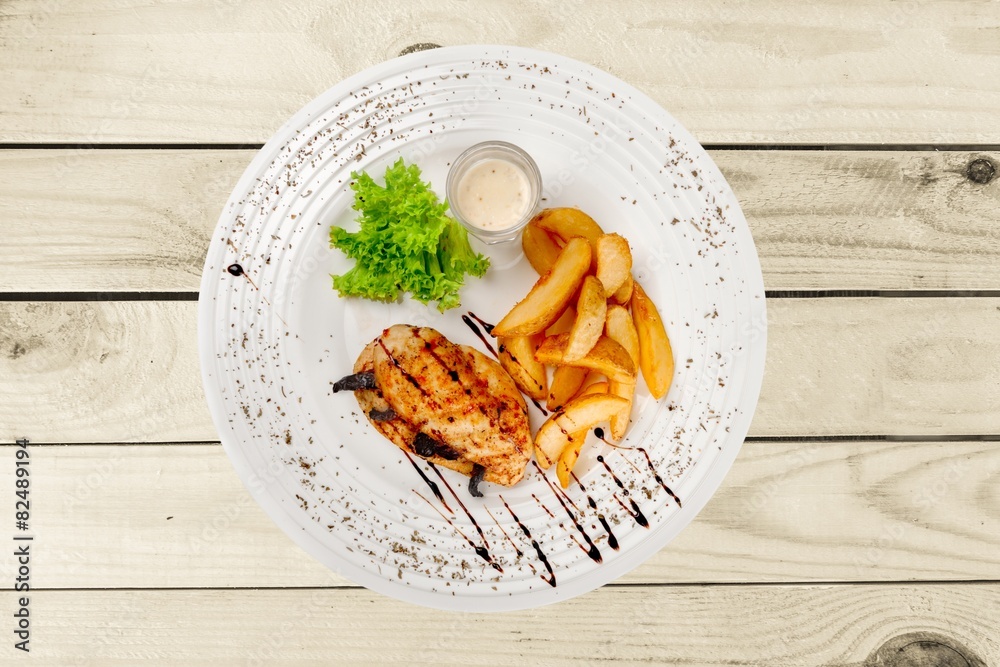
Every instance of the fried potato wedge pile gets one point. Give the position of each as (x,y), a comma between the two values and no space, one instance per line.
(586,317)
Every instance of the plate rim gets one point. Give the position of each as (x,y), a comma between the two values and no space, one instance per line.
(533,598)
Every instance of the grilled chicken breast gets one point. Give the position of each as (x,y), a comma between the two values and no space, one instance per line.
(447,403)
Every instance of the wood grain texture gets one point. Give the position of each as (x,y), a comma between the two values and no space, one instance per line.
(128,371)
(231,71)
(774,626)
(177,516)
(141,220)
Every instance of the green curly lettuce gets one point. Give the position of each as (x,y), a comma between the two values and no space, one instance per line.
(406,242)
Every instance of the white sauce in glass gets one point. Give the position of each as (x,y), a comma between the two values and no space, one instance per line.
(493,195)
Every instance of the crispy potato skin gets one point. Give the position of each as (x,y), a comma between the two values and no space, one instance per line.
(568,223)
(540,248)
(614,261)
(591,312)
(606,357)
(656,358)
(580,414)
(517,356)
(550,295)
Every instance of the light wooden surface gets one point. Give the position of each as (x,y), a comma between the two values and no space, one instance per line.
(677,625)
(230,71)
(902,220)
(891,510)
(127,371)
(863,511)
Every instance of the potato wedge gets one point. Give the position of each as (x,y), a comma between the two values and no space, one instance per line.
(517,356)
(580,414)
(614,261)
(619,420)
(591,312)
(551,294)
(619,327)
(624,293)
(656,358)
(564,323)
(599,387)
(540,248)
(568,223)
(566,383)
(568,457)
(606,357)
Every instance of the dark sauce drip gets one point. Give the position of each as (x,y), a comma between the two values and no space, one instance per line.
(480,551)
(472,325)
(237,271)
(592,551)
(430,483)
(613,475)
(483,551)
(487,327)
(539,406)
(551,579)
(636,513)
(542,505)
(517,549)
(599,432)
(659,479)
(612,540)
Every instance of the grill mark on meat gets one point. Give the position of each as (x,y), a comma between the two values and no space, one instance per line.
(412,380)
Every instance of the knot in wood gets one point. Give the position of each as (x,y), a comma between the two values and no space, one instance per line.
(419,46)
(980,171)
(923,649)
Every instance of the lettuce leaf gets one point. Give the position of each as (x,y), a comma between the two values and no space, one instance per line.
(406,242)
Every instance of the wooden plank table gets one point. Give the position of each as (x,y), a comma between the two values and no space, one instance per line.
(860,524)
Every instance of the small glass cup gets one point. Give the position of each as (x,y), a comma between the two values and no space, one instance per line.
(513,155)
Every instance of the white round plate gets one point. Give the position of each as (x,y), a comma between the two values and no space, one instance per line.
(274,338)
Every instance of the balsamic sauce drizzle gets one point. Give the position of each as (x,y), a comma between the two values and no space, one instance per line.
(551,579)
(636,513)
(542,505)
(593,551)
(489,330)
(517,549)
(482,552)
(472,325)
(656,476)
(487,327)
(612,540)
(599,432)
(237,271)
(434,487)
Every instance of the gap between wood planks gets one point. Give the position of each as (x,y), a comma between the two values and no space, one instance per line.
(613,584)
(770,294)
(760,439)
(963,148)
